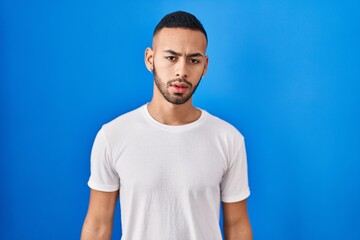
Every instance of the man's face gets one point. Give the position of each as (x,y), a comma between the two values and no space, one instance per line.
(178,62)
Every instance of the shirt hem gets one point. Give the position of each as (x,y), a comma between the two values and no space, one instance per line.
(102,187)
(236,198)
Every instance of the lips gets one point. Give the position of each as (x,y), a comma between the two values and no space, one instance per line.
(179,87)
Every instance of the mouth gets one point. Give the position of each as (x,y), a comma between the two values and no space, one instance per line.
(179,87)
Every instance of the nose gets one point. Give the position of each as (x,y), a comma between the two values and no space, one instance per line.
(181,69)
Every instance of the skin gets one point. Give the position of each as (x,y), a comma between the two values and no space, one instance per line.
(236,221)
(176,53)
(99,218)
(179,59)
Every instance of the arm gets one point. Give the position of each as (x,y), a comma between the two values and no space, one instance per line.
(236,221)
(99,219)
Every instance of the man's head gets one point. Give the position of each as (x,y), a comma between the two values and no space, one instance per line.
(180,19)
(177,58)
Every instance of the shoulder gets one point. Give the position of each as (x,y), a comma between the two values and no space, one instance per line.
(124,123)
(221,126)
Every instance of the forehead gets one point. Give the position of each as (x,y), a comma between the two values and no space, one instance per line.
(179,39)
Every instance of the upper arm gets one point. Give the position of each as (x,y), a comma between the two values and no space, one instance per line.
(236,220)
(102,205)
(99,219)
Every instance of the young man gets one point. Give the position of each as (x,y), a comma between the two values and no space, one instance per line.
(171,163)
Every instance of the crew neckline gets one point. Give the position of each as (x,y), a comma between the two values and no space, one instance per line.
(174,128)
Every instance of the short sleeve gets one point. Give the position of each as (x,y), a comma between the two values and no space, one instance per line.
(234,184)
(103,176)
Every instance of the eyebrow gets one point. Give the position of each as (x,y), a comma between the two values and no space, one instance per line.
(196,54)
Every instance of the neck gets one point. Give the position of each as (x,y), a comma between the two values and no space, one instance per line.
(172,114)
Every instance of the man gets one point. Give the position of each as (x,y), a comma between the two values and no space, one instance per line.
(171,163)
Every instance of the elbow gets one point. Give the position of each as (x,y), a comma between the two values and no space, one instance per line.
(239,230)
(94,230)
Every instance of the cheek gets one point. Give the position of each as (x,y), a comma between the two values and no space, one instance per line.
(198,71)
(163,69)
(163,65)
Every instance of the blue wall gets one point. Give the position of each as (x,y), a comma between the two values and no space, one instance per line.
(286,74)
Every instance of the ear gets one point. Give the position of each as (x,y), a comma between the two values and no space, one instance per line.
(149,59)
(205,66)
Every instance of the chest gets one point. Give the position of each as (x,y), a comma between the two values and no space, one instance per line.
(178,163)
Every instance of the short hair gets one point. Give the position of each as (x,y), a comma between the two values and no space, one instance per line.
(180,19)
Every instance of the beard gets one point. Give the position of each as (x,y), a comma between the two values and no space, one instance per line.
(174,98)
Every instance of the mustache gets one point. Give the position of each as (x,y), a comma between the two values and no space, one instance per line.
(180,80)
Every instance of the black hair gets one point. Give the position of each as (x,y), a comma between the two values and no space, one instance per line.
(180,19)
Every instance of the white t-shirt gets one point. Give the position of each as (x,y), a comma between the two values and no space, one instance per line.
(172,179)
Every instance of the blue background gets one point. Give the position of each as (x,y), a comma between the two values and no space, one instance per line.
(285,73)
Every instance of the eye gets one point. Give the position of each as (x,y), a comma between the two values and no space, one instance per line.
(171,58)
(194,61)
